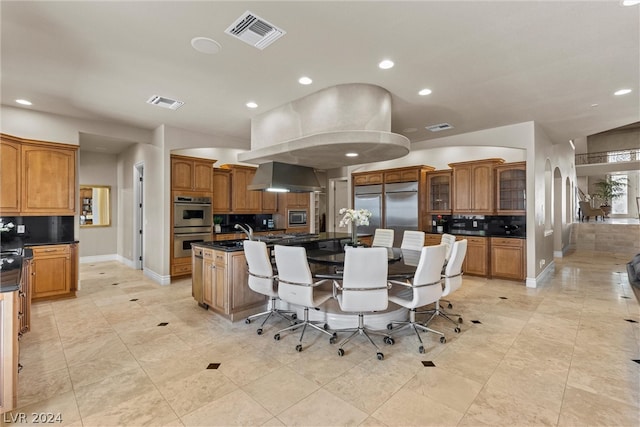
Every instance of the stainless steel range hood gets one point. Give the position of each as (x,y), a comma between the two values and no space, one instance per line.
(276,176)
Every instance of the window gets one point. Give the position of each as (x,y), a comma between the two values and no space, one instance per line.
(619,205)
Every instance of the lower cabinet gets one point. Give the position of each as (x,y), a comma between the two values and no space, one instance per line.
(476,262)
(54,271)
(226,288)
(508,258)
(9,306)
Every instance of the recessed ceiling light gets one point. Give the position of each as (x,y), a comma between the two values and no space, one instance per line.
(205,45)
(252,104)
(594,105)
(305,80)
(23,102)
(630,2)
(386,64)
(424,92)
(622,92)
(573,146)
(351,154)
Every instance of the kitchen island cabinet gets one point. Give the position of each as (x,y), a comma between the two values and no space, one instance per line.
(474,186)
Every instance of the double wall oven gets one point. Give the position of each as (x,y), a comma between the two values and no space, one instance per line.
(192,223)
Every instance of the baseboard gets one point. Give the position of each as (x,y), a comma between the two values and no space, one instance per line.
(532,282)
(98,258)
(126,261)
(558,254)
(163,280)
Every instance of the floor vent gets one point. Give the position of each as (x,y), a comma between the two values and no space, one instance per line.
(439,127)
(254,30)
(164,102)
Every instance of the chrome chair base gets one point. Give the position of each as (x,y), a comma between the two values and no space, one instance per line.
(437,311)
(288,315)
(417,327)
(362,330)
(306,322)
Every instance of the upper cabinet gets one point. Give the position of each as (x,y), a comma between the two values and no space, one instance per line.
(407,174)
(473,186)
(191,174)
(221,191)
(269,202)
(243,200)
(297,200)
(38,178)
(511,179)
(439,192)
(367,178)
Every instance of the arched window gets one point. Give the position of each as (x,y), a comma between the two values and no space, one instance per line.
(548,179)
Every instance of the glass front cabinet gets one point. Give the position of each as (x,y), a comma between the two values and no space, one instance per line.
(511,179)
(439,192)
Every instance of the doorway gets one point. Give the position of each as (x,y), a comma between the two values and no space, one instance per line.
(338,199)
(138,248)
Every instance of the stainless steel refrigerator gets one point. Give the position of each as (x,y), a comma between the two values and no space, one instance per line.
(369,197)
(401,208)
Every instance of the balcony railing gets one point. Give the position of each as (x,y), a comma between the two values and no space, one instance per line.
(608,157)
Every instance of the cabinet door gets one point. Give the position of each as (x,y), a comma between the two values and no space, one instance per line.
(10,178)
(439,192)
(432,239)
(221,191)
(242,295)
(48,180)
(511,189)
(476,259)
(219,290)
(482,188)
(254,198)
(202,176)
(507,258)
(208,280)
(51,276)
(181,174)
(462,201)
(269,202)
(239,182)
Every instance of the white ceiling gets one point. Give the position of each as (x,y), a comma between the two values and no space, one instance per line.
(488,63)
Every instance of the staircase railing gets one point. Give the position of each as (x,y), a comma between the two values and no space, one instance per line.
(628,155)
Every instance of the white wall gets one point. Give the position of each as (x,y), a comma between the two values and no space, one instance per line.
(99,169)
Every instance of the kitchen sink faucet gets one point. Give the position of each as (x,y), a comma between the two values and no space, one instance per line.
(248,230)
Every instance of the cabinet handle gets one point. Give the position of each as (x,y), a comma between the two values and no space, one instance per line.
(49,250)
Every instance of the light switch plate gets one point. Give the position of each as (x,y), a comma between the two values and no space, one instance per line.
(20,229)
(475,224)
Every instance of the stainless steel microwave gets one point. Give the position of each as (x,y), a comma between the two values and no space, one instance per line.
(297,218)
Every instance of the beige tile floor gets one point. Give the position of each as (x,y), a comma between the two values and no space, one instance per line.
(561,354)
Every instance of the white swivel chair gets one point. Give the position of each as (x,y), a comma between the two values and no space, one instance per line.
(296,286)
(426,288)
(452,280)
(262,280)
(413,240)
(364,289)
(383,237)
(448,240)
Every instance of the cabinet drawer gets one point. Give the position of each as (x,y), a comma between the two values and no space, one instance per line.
(207,254)
(50,250)
(501,241)
(473,240)
(180,269)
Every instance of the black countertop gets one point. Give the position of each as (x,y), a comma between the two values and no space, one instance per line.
(480,233)
(275,239)
(11,268)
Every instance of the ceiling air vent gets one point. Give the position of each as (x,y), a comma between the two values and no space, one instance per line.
(439,127)
(254,30)
(161,101)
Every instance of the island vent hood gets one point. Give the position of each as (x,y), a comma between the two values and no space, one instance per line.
(284,177)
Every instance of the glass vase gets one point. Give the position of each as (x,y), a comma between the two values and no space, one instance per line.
(354,235)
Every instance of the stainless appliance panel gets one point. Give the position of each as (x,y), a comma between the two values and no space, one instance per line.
(182,243)
(401,208)
(373,203)
(192,212)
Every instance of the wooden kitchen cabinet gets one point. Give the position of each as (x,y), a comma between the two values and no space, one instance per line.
(221,191)
(269,202)
(191,174)
(9,325)
(24,296)
(474,186)
(10,176)
(297,200)
(367,178)
(243,200)
(38,178)
(225,279)
(53,272)
(508,258)
(476,262)
(432,239)
(408,174)
(511,184)
(439,192)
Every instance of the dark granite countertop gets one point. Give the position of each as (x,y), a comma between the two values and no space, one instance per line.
(10,269)
(480,233)
(275,239)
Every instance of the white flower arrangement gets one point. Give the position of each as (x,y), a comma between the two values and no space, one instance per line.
(353,216)
(6,227)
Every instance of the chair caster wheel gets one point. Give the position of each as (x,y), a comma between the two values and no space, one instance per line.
(325,327)
(443,340)
(459,319)
(456,330)
(276,337)
(449,305)
(390,326)
(294,316)
(421,350)
(389,340)
(380,356)
(299,348)
(340,352)
(332,340)
(259,331)
(247,321)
